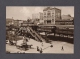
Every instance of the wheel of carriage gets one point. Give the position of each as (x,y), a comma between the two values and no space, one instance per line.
(24,47)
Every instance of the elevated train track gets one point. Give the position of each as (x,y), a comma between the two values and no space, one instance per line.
(56,29)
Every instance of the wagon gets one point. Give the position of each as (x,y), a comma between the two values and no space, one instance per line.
(21,45)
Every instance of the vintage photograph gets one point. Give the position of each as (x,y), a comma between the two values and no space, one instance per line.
(40,29)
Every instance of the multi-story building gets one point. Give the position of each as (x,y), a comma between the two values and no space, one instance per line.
(37,17)
(51,14)
(41,15)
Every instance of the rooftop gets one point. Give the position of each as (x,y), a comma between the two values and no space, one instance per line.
(50,8)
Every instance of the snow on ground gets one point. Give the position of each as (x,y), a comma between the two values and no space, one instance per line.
(57,45)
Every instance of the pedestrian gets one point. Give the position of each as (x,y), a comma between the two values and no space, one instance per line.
(62,48)
(51,46)
(42,43)
(37,48)
(41,50)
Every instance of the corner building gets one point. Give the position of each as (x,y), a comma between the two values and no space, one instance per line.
(50,15)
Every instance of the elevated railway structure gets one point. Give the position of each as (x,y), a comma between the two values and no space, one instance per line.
(34,30)
(57,29)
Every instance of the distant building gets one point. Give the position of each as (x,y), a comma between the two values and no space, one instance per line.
(41,16)
(51,14)
(24,21)
(37,17)
(17,22)
(64,22)
(9,21)
(67,17)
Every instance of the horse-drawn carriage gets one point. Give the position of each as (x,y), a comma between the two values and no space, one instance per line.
(22,44)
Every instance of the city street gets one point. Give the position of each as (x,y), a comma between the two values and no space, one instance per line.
(57,46)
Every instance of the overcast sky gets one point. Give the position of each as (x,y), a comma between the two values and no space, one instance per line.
(24,12)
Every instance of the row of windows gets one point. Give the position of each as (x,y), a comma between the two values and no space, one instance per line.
(48,16)
(51,13)
(48,13)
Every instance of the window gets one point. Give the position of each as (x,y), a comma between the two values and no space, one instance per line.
(58,14)
(48,21)
(48,13)
(52,19)
(44,16)
(52,13)
(44,21)
(44,13)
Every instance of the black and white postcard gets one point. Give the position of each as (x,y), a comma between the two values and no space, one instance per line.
(40,29)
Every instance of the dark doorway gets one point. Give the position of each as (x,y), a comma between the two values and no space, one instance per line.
(48,21)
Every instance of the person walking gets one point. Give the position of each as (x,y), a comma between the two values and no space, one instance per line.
(62,48)
(37,48)
(25,46)
(41,50)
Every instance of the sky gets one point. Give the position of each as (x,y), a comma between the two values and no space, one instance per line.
(25,12)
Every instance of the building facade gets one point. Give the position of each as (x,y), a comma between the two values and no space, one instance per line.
(51,14)
(41,16)
(37,17)
(67,17)
(64,22)
(17,22)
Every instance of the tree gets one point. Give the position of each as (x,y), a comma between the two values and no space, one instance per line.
(28,20)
